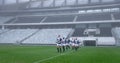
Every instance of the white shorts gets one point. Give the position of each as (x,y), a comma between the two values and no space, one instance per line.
(73,44)
(59,45)
(63,44)
(76,44)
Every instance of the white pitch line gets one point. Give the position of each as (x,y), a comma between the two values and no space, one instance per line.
(49,58)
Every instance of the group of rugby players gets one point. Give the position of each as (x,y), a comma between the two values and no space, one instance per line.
(64,44)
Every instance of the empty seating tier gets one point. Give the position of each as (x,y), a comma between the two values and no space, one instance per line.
(47,36)
(117,16)
(5,19)
(105,32)
(29,19)
(15,35)
(79,32)
(64,18)
(93,17)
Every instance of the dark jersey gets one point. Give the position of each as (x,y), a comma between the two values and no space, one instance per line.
(78,42)
(59,40)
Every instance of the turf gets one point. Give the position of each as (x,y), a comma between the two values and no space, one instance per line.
(48,54)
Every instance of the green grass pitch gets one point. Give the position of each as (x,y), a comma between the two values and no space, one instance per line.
(48,54)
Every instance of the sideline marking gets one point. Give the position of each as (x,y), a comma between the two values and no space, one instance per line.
(51,57)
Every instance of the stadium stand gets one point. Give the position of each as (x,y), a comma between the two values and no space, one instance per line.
(78,32)
(3,31)
(35,4)
(63,3)
(94,17)
(5,19)
(117,16)
(47,36)
(62,18)
(27,19)
(105,32)
(16,35)
(40,21)
(47,3)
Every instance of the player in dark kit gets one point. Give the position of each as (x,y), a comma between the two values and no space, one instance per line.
(77,43)
(63,44)
(59,44)
(67,42)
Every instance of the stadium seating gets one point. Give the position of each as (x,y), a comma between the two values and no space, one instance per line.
(94,17)
(15,35)
(71,2)
(3,31)
(105,32)
(33,19)
(47,3)
(71,16)
(59,2)
(79,32)
(82,2)
(117,16)
(62,18)
(5,19)
(47,36)
(35,4)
